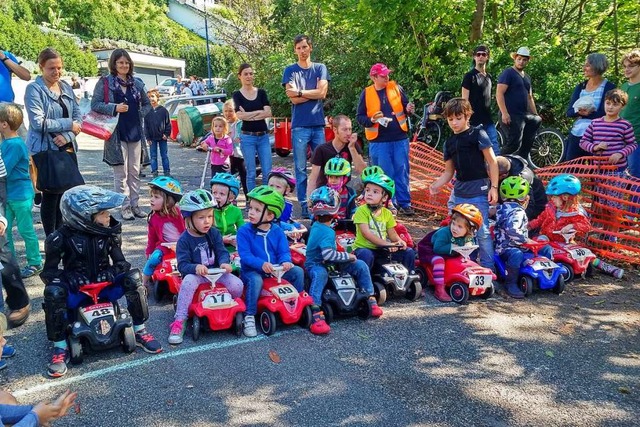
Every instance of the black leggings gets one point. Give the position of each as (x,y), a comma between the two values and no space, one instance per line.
(237,166)
(50,212)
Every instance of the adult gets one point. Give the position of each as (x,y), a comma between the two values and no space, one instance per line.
(631,112)
(253,107)
(592,90)
(54,122)
(306,84)
(178,86)
(344,144)
(511,165)
(10,65)
(519,118)
(476,88)
(127,96)
(187,90)
(382,111)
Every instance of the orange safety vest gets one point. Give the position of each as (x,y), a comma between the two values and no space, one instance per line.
(372,101)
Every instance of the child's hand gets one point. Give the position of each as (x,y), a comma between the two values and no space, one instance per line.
(568,229)
(229,239)
(353,258)
(202,270)
(600,147)
(204,147)
(228,268)
(615,158)
(65,401)
(286,266)
(267,267)
(402,245)
(433,189)
(2,228)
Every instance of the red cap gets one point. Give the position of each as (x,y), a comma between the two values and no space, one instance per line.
(379,69)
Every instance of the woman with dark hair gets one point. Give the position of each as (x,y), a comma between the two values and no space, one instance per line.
(591,106)
(252,107)
(121,93)
(55,120)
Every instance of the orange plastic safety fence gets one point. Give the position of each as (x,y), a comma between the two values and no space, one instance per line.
(610,197)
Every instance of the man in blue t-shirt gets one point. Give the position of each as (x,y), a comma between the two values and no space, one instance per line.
(519,117)
(10,65)
(306,84)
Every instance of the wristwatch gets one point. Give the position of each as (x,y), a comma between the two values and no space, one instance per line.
(299,94)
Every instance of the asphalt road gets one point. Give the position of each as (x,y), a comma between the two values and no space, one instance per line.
(565,360)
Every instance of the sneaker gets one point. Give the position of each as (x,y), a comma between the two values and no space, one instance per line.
(319,325)
(376,311)
(30,271)
(148,343)
(127,214)
(154,174)
(35,209)
(166,173)
(408,211)
(18,317)
(250,326)
(138,213)
(176,332)
(58,365)
(8,351)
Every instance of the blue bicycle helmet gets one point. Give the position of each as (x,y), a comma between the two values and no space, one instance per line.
(79,204)
(169,185)
(324,201)
(227,179)
(196,200)
(563,184)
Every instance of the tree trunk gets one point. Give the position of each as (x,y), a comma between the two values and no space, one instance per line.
(478,21)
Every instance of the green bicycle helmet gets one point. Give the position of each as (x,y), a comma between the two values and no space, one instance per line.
(564,184)
(514,188)
(270,197)
(371,170)
(169,185)
(337,166)
(381,180)
(196,200)
(228,180)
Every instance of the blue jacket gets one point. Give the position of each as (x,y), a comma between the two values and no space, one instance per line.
(41,102)
(599,112)
(256,247)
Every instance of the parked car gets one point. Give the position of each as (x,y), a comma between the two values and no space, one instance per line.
(167,87)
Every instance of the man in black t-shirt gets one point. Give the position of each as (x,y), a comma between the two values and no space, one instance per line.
(476,88)
(344,145)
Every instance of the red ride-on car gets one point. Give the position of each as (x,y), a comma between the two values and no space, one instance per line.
(462,276)
(280,298)
(166,277)
(575,258)
(213,308)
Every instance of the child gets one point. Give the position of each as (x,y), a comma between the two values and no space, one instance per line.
(220,145)
(374,223)
(511,230)
(564,213)
(261,244)
(7,350)
(284,183)
(19,188)
(466,219)
(157,126)
(199,248)
(469,155)
(338,170)
(88,244)
(227,216)
(611,136)
(165,224)
(321,249)
(236,161)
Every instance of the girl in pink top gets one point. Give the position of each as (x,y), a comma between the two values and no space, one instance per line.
(165,223)
(220,144)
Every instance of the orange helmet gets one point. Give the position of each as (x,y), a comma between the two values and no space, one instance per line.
(470,213)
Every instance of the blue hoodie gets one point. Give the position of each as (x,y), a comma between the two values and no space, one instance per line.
(256,247)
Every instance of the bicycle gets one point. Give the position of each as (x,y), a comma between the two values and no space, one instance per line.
(431,125)
(547,149)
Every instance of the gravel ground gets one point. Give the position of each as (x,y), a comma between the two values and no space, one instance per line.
(566,360)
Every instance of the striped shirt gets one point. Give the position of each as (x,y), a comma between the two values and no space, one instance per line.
(3,170)
(618,135)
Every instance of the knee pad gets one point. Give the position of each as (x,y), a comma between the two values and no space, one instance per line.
(136,296)
(56,314)
(132,280)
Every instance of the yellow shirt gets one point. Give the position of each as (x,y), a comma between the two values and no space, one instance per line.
(378,224)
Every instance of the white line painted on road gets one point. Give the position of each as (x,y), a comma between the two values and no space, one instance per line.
(53,383)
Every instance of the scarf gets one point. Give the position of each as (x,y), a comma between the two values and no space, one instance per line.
(130,82)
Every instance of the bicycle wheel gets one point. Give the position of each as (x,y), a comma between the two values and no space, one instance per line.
(432,134)
(501,137)
(548,148)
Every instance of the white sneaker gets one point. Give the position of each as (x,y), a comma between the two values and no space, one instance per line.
(127,214)
(250,326)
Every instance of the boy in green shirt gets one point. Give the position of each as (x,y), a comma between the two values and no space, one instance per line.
(228,217)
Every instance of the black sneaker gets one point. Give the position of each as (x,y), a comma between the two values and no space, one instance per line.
(408,211)
(58,366)
(148,343)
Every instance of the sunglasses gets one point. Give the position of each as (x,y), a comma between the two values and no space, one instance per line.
(482,54)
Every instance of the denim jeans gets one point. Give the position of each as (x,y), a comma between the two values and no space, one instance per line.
(513,258)
(406,257)
(301,137)
(250,145)
(485,250)
(393,158)
(318,276)
(253,281)
(493,136)
(162,145)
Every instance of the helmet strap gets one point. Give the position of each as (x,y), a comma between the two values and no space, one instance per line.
(192,227)
(261,221)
